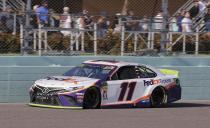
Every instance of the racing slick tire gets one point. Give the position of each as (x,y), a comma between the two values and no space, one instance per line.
(92,98)
(158,97)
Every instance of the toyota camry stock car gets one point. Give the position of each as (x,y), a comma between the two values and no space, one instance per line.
(107,84)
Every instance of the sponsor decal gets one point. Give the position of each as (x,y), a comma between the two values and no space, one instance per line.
(71,81)
(80,100)
(104,92)
(108,67)
(155,82)
(80,97)
(45,90)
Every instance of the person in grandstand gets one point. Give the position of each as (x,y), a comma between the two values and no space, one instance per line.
(103,24)
(43,14)
(207,20)
(88,20)
(194,10)
(187,23)
(34,17)
(65,21)
(158,20)
(202,5)
(7,20)
(130,26)
(180,18)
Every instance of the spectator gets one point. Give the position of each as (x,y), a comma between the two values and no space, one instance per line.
(187,23)
(207,20)
(115,26)
(130,26)
(144,25)
(208,4)
(43,14)
(65,21)
(80,22)
(54,18)
(20,19)
(34,17)
(173,25)
(88,20)
(158,20)
(202,5)
(103,24)
(179,20)
(194,10)
(7,20)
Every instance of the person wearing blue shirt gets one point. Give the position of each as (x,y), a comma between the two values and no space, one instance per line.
(179,20)
(43,14)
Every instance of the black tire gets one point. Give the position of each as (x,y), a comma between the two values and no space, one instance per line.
(158,97)
(92,98)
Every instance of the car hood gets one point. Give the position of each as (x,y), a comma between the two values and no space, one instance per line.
(65,82)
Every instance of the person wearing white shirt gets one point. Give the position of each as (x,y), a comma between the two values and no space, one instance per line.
(187,23)
(158,20)
(65,21)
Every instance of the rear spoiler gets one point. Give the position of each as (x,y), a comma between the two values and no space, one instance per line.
(169,72)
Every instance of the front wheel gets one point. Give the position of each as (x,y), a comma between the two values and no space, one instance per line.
(158,97)
(92,98)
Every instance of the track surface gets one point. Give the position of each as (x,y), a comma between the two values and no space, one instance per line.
(182,114)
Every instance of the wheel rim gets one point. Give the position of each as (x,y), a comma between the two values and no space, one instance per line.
(158,97)
(91,99)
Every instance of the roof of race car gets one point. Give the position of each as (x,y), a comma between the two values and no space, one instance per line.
(111,62)
(120,64)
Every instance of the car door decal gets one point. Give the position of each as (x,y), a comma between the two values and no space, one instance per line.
(124,87)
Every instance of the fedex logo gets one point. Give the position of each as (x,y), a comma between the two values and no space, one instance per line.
(151,82)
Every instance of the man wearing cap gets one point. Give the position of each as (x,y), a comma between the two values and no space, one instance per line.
(43,14)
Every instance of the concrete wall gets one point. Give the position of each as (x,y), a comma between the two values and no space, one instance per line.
(17,74)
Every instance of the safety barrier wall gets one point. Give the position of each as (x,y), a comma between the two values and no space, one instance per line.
(17,74)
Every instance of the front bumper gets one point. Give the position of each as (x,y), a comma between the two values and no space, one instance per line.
(55,99)
(51,106)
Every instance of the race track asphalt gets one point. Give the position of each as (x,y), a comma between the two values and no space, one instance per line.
(182,114)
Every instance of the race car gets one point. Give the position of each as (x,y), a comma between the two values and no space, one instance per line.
(107,84)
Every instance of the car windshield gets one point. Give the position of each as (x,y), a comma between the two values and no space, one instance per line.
(91,71)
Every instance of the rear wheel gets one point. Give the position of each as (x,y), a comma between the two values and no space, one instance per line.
(92,98)
(158,97)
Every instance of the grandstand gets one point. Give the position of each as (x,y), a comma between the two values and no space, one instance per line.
(48,40)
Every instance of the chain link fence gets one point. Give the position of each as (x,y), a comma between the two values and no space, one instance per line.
(98,27)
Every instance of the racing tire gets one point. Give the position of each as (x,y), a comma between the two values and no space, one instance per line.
(92,98)
(158,97)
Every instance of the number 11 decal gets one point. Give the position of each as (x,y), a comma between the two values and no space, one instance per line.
(124,87)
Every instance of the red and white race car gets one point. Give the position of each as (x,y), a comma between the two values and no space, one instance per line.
(107,84)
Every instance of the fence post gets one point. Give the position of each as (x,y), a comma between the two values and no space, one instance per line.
(122,39)
(152,40)
(4,5)
(135,41)
(184,44)
(45,41)
(149,40)
(82,43)
(14,24)
(40,40)
(35,41)
(21,39)
(197,41)
(72,39)
(77,40)
(95,39)
(170,40)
